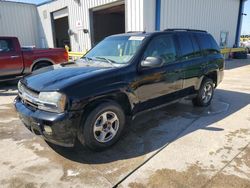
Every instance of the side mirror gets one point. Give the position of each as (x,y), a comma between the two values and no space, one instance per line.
(151,62)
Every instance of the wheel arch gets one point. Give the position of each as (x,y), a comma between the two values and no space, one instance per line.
(120,98)
(212,75)
(40,60)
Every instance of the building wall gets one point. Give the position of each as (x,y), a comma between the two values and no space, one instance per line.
(20,20)
(138,17)
(134,13)
(77,12)
(213,15)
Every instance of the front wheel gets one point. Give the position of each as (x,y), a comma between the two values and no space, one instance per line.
(205,93)
(103,126)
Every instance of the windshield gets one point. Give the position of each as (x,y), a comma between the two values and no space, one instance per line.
(118,49)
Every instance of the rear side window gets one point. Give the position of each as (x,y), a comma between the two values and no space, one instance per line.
(188,48)
(162,47)
(207,43)
(214,43)
(6,45)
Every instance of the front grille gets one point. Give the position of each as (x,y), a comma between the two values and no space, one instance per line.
(28,96)
(29,104)
(24,89)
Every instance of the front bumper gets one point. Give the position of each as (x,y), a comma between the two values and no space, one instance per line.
(64,126)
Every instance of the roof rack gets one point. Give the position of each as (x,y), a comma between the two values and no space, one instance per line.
(136,32)
(182,29)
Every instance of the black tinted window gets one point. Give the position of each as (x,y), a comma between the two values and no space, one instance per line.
(186,46)
(214,44)
(195,44)
(207,43)
(162,47)
(204,41)
(5,45)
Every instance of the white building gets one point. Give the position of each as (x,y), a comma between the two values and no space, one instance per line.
(20,20)
(82,23)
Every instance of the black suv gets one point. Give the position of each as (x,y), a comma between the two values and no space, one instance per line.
(93,99)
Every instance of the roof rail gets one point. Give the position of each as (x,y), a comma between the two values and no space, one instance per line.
(183,29)
(136,32)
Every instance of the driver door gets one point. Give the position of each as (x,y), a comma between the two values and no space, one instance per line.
(10,58)
(158,85)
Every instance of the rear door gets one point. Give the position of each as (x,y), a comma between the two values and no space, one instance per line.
(154,84)
(10,58)
(194,61)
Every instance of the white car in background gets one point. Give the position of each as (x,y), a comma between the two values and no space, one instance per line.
(246,44)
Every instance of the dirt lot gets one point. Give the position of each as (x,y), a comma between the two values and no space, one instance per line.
(177,146)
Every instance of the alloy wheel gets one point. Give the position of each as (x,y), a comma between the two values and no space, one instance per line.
(207,93)
(106,127)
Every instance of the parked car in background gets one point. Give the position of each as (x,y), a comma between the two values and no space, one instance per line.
(246,44)
(16,61)
(92,100)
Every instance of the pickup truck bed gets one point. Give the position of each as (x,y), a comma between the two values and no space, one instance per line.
(16,61)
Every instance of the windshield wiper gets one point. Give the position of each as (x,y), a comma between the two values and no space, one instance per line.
(87,58)
(111,62)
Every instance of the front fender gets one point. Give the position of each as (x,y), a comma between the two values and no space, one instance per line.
(116,91)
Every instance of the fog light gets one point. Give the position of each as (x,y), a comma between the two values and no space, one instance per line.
(47,129)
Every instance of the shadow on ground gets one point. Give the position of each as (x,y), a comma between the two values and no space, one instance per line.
(155,130)
(230,64)
(8,88)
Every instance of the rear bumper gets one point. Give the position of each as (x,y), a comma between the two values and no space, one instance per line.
(64,126)
(220,76)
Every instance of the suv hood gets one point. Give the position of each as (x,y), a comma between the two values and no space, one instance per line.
(58,76)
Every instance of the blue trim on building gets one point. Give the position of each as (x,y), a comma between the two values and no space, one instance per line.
(157,15)
(239,23)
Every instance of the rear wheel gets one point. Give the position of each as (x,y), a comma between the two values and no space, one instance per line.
(103,126)
(40,65)
(205,93)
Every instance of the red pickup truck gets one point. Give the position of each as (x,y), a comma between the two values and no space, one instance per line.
(16,61)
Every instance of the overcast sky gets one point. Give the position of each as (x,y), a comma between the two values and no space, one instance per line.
(246,19)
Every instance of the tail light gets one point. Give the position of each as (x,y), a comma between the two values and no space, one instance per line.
(66,55)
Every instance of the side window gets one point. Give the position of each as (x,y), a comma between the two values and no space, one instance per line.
(206,44)
(6,45)
(203,41)
(162,47)
(197,51)
(214,43)
(186,46)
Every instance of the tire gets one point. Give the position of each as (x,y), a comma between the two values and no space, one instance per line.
(95,133)
(41,65)
(248,50)
(208,85)
(240,55)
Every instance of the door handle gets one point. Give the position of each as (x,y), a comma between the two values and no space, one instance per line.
(177,71)
(14,56)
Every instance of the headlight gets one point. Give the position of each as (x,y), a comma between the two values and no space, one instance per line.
(52,101)
(20,87)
